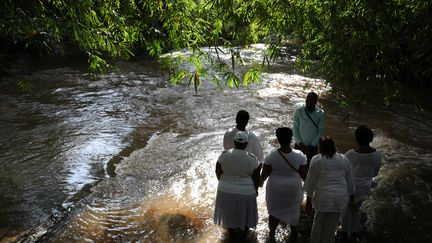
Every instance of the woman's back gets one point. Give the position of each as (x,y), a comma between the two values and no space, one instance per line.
(365,166)
(237,166)
(331,180)
(280,166)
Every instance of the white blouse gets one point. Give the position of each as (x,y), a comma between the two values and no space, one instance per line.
(329,182)
(237,169)
(365,167)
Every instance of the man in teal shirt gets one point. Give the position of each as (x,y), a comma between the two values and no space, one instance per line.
(308,126)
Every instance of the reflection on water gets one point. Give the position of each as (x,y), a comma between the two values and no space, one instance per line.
(162,142)
(79,170)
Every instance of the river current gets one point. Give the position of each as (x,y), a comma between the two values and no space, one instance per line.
(128,157)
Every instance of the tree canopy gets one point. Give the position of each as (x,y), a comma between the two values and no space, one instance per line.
(359,46)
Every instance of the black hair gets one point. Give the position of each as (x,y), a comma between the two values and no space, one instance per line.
(242,118)
(313,95)
(284,135)
(311,100)
(327,147)
(363,135)
(239,145)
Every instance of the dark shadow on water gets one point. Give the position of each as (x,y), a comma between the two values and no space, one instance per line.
(139,141)
(251,237)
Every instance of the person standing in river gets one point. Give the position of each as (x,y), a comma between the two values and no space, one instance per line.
(308,126)
(254,146)
(238,173)
(330,184)
(285,167)
(365,162)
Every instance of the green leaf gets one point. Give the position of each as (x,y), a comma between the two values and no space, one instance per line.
(232,80)
(216,80)
(25,85)
(251,76)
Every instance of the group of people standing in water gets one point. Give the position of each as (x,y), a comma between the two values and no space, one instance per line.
(335,184)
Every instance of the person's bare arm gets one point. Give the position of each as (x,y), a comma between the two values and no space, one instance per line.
(303,170)
(256,178)
(265,173)
(219,170)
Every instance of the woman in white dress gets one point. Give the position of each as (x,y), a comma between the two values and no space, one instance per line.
(365,162)
(330,183)
(238,173)
(284,167)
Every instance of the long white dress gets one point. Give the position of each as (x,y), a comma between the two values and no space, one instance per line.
(329,182)
(284,188)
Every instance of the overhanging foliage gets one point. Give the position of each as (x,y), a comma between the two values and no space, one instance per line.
(360,46)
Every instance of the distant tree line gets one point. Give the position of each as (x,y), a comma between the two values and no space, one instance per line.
(359,46)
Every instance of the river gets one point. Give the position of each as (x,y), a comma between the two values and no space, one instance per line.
(128,157)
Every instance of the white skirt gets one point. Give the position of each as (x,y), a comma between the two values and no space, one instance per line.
(283,198)
(235,210)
